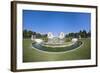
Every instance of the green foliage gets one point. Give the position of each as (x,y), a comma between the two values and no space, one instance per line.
(68,39)
(81,33)
(29,33)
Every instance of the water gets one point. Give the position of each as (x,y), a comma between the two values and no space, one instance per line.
(56,49)
(55,40)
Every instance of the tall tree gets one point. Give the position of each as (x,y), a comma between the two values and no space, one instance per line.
(84,34)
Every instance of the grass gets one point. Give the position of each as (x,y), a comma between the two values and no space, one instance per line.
(32,55)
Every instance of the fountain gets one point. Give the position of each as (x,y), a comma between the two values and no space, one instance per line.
(56,44)
(55,40)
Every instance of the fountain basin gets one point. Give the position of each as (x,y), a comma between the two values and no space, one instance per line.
(57,47)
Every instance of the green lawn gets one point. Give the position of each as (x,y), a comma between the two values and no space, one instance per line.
(32,55)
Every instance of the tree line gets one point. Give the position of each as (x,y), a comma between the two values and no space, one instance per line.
(29,33)
(81,33)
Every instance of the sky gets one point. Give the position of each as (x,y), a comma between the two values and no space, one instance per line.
(55,22)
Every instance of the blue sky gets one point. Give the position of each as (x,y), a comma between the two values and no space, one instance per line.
(55,22)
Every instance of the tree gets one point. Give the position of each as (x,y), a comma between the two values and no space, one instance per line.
(30,33)
(89,34)
(76,35)
(25,33)
(71,35)
(81,33)
(38,35)
(84,34)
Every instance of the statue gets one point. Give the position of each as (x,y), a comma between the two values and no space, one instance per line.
(50,35)
(62,35)
(32,37)
(55,40)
